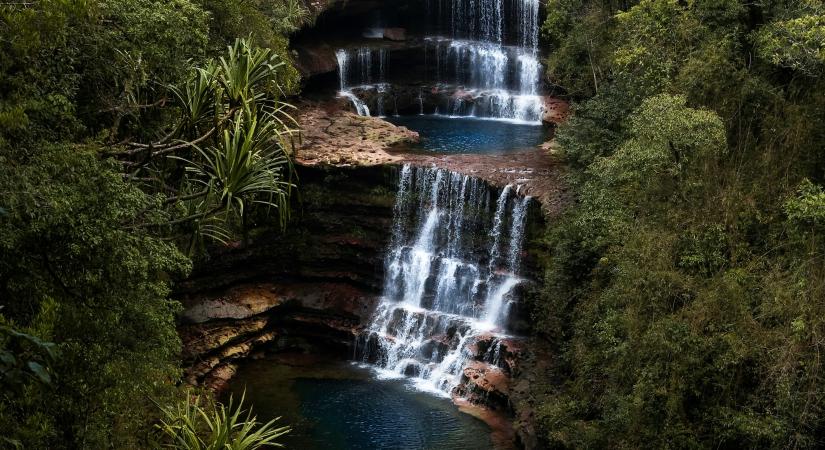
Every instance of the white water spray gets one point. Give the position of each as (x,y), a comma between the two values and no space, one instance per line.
(443,288)
(357,70)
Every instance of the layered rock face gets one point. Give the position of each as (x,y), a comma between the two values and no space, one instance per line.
(308,289)
(335,284)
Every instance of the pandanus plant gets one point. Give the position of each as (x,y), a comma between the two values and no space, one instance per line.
(247,73)
(234,138)
(249,164)
(189,425)
(198,100)
(248,161)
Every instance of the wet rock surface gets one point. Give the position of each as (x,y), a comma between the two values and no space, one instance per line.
(335,136)
(332,135)
(538,173)
(486,383)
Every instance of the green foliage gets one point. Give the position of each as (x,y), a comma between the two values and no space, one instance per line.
(248,73)
(685,289)
(197,100)
(39,85)
(152,44)
(90,246)
(232,150)
(72,66)
(797,44)
(23,358)
(72,271)
(807,208)
(665,139)
(576,36)
(247,165)
(271,21)
(191,425)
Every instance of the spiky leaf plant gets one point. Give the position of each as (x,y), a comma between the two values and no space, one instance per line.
(198,424)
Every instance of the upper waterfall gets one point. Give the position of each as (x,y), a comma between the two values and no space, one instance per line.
(482,58)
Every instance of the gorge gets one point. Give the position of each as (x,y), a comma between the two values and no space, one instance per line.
(416,272)
(413,262)
(412,224)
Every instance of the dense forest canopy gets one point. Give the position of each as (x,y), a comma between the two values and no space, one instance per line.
(684,298)
(686,289)
(133,132)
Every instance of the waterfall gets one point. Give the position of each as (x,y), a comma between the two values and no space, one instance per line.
(486,62)
(360,107)
(357,69)
(450,272)
(343,68)
(528,15)
(502,81)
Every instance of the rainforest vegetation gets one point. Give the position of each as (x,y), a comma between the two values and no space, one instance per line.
(684,296)
(131,132)
(686,288)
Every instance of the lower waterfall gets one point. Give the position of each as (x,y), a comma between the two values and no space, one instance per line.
(450,274)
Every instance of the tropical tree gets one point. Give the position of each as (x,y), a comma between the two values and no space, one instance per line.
(230,148)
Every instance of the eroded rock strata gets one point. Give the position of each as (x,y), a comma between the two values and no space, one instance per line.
(312,289)
(335,136)
(307,288)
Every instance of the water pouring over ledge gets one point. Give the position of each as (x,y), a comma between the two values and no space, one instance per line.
(451,270)
(480,75)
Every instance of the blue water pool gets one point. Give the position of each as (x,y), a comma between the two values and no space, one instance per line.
(443,134)
(342,407)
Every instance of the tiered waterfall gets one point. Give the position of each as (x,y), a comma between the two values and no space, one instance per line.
(482,58)
(451,270)
(363,68)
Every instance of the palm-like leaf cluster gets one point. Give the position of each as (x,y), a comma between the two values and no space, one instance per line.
(247,72)
(189,425)
(247,166)
(233,144)
(197,99)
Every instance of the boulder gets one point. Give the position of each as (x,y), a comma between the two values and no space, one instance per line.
(436,347)
(502,351)
(487,378)
(556,110)
(313,60)
(485,384)
(395,34)
(412,369)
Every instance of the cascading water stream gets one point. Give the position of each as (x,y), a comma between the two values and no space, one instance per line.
(451,269)
(356,71)
(499,81)
(487,66)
